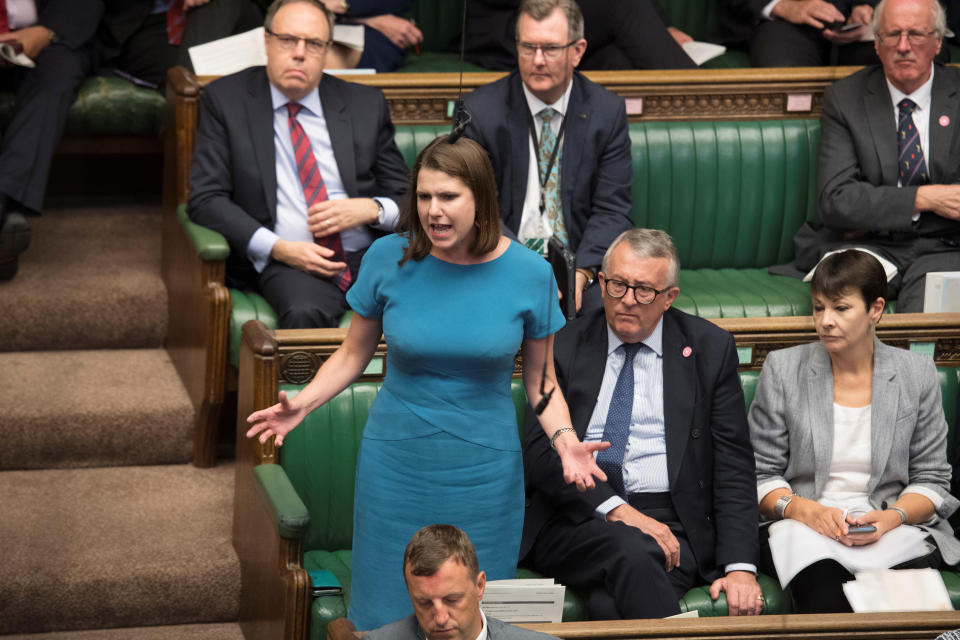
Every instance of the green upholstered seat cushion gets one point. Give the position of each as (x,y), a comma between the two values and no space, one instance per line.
(106,107)
(732,59)
(737,293)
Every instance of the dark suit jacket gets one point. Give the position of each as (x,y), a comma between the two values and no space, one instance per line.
(74,21)
(233,180)
(709,459)
(409,629)
(596,172)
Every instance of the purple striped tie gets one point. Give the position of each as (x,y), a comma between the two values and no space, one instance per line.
(913,168)
(314,189)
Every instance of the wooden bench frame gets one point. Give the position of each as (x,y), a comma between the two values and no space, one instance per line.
(271,358)
(823,626)
(199,302)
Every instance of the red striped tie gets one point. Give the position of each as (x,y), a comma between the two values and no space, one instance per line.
(4,17)
(314,189)
(176,21)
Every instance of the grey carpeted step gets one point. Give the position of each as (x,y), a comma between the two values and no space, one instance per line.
(116,547)
(222,631)
(92,408)
(90,280)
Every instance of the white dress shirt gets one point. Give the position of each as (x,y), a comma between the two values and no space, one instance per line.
(21,13)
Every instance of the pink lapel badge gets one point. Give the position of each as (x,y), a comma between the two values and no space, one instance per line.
(687,351)
(944,121)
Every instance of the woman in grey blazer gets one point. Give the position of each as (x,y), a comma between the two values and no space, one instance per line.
(851,422)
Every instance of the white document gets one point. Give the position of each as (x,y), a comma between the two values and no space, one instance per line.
(795,546)
(700,52)
(941,292)
(889,268)
(230,54)
(238,52)
(903,590)
(524,600)
(10,54)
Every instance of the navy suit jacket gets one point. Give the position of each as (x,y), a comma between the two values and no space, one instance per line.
(710,462)
(233,179)
(74,21)
(596,171)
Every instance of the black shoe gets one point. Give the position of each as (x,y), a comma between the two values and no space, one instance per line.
(14,240)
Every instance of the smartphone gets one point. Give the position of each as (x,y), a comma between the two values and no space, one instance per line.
(863,528)
(840,26)
(324,583)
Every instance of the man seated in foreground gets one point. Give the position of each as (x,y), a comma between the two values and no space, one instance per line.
(679,505)
(446,585)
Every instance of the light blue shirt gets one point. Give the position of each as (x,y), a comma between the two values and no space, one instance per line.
(291,221)
(645,459)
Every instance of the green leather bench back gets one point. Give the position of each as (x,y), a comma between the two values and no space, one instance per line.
(106,107)
(731,194)
(440,21)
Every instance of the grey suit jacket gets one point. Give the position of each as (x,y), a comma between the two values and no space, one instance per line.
(408,629)
(791,428)
(858,154)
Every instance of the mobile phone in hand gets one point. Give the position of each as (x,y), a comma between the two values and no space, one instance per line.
(863,528)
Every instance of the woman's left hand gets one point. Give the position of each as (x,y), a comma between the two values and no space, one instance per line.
(579,465)
(883,520)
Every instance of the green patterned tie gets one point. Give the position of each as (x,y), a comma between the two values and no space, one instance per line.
(551,190)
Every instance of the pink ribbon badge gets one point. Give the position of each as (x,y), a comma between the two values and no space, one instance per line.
(687,351)
(944,121)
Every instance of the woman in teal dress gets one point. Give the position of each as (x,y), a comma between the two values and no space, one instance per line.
(455,300)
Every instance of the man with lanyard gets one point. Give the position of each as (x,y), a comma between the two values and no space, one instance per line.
(571,181)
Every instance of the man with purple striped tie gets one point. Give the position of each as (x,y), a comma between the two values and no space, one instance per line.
(678,508)
(890,156)
(298,169)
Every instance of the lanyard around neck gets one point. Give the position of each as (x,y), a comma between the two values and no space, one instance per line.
(553,156)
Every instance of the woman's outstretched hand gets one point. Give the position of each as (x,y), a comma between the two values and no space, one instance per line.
(579,465)
(278,420)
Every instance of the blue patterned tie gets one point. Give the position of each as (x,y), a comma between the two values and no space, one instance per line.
(551,190)
(617,429)
(913,167)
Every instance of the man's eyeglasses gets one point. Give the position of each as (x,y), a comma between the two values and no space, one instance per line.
(287,42)
(549,51)
(915,38)
(641,293)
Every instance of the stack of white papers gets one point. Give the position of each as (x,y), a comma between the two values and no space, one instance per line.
(524,600)
(903,590)
(795,546)
(941,292)
(700,52)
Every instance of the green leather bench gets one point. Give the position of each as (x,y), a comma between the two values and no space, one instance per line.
(106,107)
(731,194)
(310,493)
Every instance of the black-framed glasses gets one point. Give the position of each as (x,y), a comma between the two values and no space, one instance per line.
(287,42)
(549,51)
(641,292)
(914,37)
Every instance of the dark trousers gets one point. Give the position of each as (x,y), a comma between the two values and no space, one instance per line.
(619,567)
(43,97)
(629,34)
(304,301)
(147,53)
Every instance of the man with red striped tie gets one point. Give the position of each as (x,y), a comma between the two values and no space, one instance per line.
(890,156)
(298,169)
(56,35)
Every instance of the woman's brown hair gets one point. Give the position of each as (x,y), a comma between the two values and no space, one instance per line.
(467,161)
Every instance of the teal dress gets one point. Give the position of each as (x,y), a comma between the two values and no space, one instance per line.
(440,444)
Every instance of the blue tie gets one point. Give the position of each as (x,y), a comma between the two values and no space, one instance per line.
(617,429)
(913,168)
